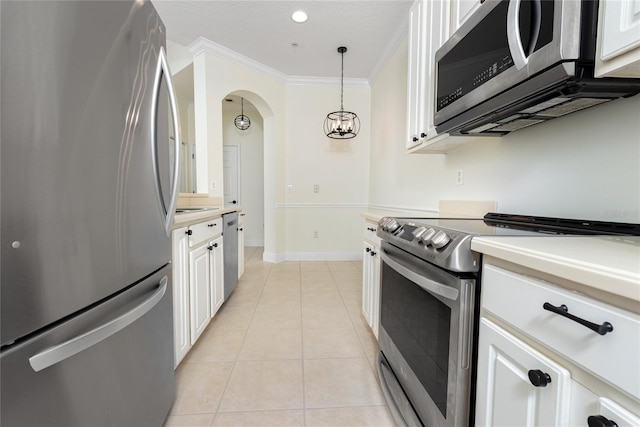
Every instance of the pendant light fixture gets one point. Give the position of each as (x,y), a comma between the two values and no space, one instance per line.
(341,124)
(242,122)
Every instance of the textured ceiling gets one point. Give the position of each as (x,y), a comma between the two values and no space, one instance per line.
(263,31)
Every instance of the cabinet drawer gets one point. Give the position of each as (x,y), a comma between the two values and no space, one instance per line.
(370,229)
(204,231)
(519,301)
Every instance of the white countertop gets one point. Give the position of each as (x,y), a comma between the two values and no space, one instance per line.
(606,263)
(186,218)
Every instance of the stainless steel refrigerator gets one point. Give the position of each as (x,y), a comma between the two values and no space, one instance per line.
(88,188)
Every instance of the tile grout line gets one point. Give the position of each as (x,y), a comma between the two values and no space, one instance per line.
(244,337)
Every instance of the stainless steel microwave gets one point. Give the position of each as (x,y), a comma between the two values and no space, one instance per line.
(516,63)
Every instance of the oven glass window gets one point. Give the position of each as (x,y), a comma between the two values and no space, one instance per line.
(419,325)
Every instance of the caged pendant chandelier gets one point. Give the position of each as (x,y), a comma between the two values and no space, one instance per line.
(242,122)
(341,124)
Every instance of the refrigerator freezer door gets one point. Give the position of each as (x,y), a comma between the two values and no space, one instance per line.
(125,379)
(80,216)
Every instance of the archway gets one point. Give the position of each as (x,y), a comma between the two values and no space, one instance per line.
(257,194)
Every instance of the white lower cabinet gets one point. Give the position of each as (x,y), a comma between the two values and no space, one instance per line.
(198,282)
(541,361)
(241,216)
(181,324)
(506,395)
(199,289)
(371,278)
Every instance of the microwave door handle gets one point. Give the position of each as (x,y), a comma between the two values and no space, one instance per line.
(537,23)
(518,55)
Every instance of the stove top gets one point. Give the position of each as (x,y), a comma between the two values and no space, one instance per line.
(446,242)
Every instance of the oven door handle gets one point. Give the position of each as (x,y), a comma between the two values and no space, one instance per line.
(422,281)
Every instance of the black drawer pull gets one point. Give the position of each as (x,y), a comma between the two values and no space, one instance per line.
(539,378)
(600,421)
(563,310)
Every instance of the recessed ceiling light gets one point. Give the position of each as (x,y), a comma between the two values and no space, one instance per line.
(299,16)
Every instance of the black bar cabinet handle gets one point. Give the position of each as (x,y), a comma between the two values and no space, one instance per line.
(563,310)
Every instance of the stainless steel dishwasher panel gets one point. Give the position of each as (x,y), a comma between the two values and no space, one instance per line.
(230,255)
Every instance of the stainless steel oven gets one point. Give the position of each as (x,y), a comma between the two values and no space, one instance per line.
(426,337)
(430,289)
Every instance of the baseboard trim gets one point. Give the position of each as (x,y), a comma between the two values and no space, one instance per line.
(312,256)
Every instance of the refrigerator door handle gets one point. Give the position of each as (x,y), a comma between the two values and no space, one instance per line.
(167,212)
(60,352)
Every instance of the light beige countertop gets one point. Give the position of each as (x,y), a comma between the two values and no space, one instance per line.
(188,218)
(446,209)
(610,264)
(374,215)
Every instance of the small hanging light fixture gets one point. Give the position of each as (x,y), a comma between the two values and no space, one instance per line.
(242,122)
(341,124)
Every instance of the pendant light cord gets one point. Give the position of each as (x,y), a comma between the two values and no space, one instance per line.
(342,83)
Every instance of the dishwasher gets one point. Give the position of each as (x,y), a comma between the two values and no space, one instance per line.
(230,252)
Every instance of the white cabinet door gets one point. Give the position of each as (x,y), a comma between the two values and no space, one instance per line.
(461,10)
(619,39)
(415,96)
(216,281)
(505,394)
(199,269)
(371,286)
(241,244)
(367,269)
(181,324)
(375,290)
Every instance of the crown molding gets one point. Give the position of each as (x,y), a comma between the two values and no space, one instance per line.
(202,44)
(325,81)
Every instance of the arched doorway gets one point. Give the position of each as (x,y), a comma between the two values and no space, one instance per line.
(243,164)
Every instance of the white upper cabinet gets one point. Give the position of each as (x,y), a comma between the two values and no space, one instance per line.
(618,51)
(430,25)
(461,10)
(415,79)
(428,30)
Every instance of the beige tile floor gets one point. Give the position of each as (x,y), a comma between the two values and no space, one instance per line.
(289,348)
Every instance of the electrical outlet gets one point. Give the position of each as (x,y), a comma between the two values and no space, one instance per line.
(290,188)
(459,177)
(315,235)
(213,185)
(316,188)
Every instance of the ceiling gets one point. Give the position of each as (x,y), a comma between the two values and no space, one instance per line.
(263,31)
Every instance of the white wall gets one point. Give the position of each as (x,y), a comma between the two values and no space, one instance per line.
(339,167)
(251,145)
(585,165)
(296,152)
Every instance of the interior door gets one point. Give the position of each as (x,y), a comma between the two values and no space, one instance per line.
(231,166)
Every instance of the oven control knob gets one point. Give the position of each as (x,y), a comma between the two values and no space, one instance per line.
(419,232)
(393,226)
(440,240)
(426,237)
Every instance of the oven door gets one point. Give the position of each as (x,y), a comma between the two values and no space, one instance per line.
(504,43)
(425,337)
